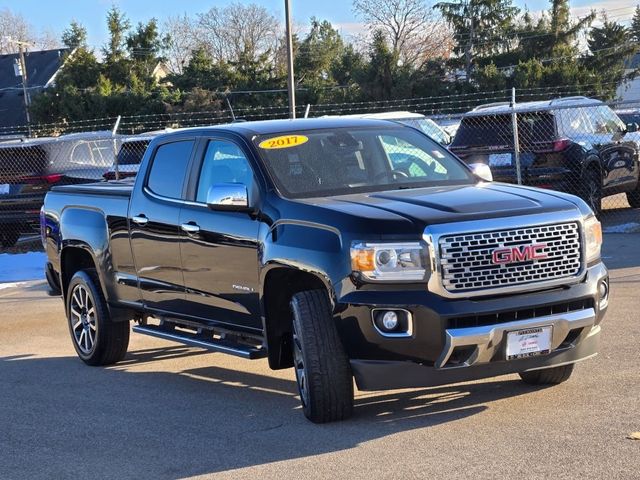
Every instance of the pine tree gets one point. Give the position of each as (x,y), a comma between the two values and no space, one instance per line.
(480,27)
(75,36)
(635,25)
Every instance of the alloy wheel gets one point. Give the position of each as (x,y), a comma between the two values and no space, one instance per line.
(82,314)
(301,374)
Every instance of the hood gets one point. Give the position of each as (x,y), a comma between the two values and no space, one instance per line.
(434,205)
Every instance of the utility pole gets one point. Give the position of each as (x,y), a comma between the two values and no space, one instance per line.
(25,79)
(291,86)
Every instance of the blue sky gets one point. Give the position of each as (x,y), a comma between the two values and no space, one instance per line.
(55,16)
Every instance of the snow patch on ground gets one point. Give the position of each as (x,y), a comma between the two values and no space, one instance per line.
(20,267)
(632,227)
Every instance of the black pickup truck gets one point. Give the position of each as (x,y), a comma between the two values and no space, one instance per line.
(340,247)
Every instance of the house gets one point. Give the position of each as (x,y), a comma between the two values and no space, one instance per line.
(629,91)
(42,68)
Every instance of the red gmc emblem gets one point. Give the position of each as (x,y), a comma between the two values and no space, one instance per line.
(523,253)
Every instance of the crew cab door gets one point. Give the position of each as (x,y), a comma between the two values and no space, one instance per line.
(154,223)
(220,249)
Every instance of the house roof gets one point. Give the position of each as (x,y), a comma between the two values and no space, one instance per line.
(42,67)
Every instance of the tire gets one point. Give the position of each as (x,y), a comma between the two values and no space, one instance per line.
(323,373)
(103,342)
(548,376)
(634,197)
(592,190)
(9,239)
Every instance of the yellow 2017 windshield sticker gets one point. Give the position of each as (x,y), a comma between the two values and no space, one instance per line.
(284,141)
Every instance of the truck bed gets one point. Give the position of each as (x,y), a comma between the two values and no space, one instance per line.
(121,188)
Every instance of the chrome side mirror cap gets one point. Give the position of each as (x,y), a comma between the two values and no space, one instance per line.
(228,196)
(481,170)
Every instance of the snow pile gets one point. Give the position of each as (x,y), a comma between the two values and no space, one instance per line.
(632,227)
(20,267)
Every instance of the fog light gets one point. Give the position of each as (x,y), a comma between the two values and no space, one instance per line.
(603,293)
(392,323)
(390,320)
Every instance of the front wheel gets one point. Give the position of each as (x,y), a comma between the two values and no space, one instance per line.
(96,339)
(323,373)
(548,376)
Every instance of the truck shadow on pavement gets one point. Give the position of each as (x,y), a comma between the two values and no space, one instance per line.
(62,419)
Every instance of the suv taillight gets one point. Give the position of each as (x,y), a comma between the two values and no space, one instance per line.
(53,178)
(561,144)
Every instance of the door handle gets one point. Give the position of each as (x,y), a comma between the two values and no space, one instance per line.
(190,228)
(140,220)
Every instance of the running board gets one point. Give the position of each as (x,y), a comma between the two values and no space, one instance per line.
(223,346)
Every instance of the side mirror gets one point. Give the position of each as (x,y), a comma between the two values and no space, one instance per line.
(482,171)
(632,127)
(232,197)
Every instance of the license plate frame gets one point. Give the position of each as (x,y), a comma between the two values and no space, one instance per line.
(528,342)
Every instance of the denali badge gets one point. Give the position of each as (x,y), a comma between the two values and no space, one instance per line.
(524,253)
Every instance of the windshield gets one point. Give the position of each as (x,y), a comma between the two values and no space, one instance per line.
(429,127)
(341,161)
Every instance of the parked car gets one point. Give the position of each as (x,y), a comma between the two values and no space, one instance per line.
(29,168)
(312,243)
(412,119)
(575,145)
(449,124)
(631,118)
(130,155)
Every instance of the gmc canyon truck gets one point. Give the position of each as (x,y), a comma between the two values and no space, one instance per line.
(344,248)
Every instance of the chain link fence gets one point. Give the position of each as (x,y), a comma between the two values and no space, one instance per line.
(571,144)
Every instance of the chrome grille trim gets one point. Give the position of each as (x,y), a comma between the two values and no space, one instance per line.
(467,263)
(549,228)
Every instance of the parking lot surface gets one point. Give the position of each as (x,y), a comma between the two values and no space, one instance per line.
(169,411)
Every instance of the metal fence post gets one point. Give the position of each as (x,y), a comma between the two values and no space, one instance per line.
(516,139)
(115,148)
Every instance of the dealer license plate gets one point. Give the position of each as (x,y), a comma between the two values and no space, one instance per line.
(529,342)
(500,160)
(4,189)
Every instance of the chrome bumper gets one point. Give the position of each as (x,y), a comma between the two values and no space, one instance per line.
(487,340)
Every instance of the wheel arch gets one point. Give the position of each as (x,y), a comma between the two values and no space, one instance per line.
(279,285)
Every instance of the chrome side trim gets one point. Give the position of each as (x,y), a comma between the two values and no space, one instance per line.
(489,338)
(407,334)
(433,233)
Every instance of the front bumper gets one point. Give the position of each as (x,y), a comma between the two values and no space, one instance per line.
(442,349)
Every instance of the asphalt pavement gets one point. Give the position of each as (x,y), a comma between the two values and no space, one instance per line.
(169,411)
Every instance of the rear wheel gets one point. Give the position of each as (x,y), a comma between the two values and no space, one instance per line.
(634,197)
(592,190)
(96,338)
(9,239)
(548,376)
(323,373)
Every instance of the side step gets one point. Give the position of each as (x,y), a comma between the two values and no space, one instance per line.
(223,346)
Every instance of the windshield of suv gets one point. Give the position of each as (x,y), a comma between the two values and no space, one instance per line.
(341,161)
(497,130)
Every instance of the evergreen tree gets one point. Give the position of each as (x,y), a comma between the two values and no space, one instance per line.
(635,25)
(481,27)
(74,36)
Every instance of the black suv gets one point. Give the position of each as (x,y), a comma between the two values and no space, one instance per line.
(576,145)
(30,167)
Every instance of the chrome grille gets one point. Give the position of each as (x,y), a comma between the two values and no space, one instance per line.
(467,259)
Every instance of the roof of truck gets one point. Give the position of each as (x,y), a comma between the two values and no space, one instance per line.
(268,127)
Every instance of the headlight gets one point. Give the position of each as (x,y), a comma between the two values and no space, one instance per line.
(389,261)
(592,238)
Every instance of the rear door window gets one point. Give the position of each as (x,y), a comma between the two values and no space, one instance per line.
(169,169)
